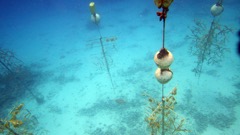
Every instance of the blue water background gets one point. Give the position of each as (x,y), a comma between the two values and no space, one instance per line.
(58,38)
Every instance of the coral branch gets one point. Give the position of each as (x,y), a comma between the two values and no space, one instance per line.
(208,45)
(171,122)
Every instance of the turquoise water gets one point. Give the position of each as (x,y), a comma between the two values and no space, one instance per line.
(67,88)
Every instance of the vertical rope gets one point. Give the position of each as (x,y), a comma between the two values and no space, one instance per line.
(163,103)
(163,36)
(163,100)
(98,29)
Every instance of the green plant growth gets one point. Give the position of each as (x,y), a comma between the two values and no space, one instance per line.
(18,122)
(156,117)
(208,45)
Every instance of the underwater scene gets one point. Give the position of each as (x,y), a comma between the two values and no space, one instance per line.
(119,67)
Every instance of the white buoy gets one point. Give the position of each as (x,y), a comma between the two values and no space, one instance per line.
(216,9)
(163,59)
(95,18)
(163,75)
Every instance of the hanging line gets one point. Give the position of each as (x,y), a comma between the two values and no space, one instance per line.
(104,54)
(162,16)
(98,28)
(163,35)
(163,100)
(163,110)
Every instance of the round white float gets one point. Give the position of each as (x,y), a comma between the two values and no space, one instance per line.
(163,59)
(163,75)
